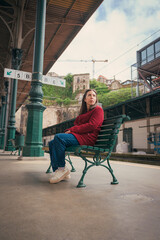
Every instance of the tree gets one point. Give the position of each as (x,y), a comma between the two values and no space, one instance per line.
(100,88)
(115,97)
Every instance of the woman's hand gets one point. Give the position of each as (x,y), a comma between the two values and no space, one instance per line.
(68,131)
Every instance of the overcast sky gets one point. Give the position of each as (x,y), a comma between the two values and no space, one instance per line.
(115,32)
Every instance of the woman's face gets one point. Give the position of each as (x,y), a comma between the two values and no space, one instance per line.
(90,98)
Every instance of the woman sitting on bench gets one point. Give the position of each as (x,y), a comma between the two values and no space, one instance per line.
(84,132)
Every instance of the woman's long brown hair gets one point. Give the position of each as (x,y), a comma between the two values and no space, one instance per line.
(83,108)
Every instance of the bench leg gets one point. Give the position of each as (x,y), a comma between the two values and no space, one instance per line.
(70,162)
(81,184)
(19,151)
(115,181)
(49,169)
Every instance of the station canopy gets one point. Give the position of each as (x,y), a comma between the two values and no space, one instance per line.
(64,19)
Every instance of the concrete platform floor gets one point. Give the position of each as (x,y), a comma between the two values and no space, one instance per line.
(33,209)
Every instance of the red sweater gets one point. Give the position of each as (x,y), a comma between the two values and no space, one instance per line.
(87,126)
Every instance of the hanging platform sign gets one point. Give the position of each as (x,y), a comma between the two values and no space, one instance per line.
(27,76)
(16,74)
(56,81)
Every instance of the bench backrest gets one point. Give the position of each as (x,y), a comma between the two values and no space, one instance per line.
(109,132)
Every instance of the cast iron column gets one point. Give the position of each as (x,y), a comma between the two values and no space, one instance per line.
(16,62)
(3,120)
(5,113)
(138,66)
(0,115)
(33,141)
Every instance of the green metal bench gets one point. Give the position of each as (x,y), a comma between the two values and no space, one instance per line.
(101,151)
(18,144)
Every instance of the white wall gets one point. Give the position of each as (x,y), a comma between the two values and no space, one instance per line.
(141,129)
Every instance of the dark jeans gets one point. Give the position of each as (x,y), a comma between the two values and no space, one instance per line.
(57,148)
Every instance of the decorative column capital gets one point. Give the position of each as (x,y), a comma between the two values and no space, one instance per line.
(3,99)
(3,93)
(6,83)
(16,58)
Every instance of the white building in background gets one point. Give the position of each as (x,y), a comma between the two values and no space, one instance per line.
(104,80)
(81,82)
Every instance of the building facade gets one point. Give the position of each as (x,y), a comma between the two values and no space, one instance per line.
(148,62)
(81,82)
(115,85)
(104,80)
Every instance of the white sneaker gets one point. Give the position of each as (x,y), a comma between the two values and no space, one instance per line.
(59,175)
(67,177)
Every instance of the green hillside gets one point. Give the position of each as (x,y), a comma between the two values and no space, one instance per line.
(58,95)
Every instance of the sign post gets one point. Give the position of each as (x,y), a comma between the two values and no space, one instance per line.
(27,76)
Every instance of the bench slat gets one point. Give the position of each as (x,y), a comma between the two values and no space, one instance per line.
(109,128)
(103,146)
(106,142)
(106,132)
(110,122)
(106,136)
